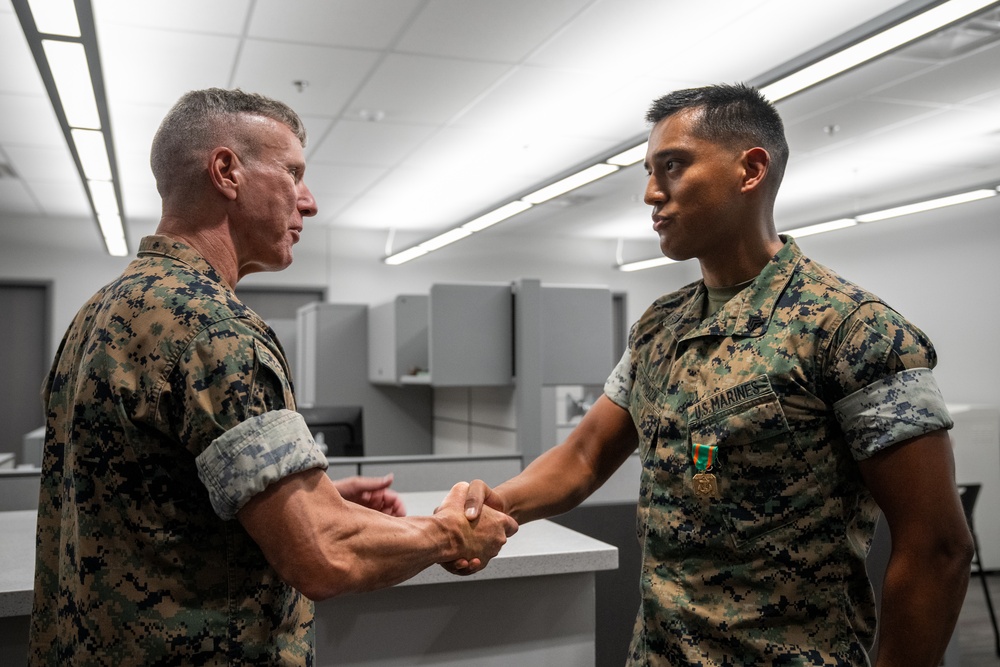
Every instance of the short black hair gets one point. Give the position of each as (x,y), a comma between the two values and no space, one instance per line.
(736,115)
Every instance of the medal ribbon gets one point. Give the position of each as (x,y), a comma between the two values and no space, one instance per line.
(703,456)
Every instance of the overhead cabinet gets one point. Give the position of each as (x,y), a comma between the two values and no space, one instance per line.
(460,335)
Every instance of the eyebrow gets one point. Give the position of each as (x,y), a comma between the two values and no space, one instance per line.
(663,154)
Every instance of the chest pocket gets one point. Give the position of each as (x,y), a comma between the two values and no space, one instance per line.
(764,480)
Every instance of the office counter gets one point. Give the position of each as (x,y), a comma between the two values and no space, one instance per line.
(534,604)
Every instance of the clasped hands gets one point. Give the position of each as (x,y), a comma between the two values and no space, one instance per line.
(481,510)
(471,516)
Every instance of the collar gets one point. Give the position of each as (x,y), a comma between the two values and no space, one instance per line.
(749,312)
(164,246)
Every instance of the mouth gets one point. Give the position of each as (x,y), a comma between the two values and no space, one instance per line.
(296,233)
(660,222)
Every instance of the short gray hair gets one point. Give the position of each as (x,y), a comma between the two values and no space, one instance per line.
(204,119)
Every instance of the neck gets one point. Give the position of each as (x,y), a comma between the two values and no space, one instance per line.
(740,261)
(210,241)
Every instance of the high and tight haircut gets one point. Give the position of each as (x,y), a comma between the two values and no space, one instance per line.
(204,119)
(734,115)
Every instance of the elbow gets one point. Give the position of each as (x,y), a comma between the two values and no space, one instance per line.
(953,555)
(319,589)
(320,583)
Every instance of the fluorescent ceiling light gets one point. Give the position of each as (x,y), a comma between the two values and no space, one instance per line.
(68,62)
(103,194)
(93,154)
(646,264)
(580,178)
(876,45)
(926,205)
(114,234)
(629,157)
(55,17)
(442,240)
(902,33)
(822,227)
(405,255)
(496,215)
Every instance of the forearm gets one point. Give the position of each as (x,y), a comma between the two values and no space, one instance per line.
(554,483)
(922,596)
(326,546)
(561,478)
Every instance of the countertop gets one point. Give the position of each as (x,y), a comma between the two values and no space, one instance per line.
(538,548)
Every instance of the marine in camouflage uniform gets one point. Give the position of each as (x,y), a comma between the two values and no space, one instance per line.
(768,429)
(167,407)
(793,380)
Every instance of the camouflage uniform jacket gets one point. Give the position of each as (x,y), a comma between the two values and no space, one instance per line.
(167,407)
(796,378)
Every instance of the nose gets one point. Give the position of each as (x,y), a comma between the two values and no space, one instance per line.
(654,193)
(307,203)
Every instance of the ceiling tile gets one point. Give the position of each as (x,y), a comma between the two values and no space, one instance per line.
(366,24)
(197,16)
(43,163)
(369,144)
(331,75)
(28,120)
(61,198)
(423,89)
(171,63)
(341,180)
(485,30)
(16,198)
(19,73)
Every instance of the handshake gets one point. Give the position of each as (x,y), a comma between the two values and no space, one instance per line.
(477,527)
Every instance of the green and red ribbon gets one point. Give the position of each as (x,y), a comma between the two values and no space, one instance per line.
(703,456)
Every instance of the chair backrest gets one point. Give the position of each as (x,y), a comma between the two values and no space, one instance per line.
(968,493)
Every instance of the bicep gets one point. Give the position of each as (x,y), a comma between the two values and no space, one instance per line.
(913,483)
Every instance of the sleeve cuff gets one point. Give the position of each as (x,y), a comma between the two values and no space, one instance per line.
(618,386)
(896,408)
(249,457)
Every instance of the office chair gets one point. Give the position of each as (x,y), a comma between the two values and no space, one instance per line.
(969,493)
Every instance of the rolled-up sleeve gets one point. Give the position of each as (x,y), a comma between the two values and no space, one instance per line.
(618,386)
(256,453)
(896,408)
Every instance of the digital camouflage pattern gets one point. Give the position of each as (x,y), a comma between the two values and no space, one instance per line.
(795,379)
(162,375)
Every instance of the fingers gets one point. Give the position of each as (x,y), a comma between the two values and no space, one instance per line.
(474,499)
(455,500)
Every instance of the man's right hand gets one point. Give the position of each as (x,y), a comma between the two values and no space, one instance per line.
(478,534)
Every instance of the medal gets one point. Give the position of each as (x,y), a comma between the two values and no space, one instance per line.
(704,483)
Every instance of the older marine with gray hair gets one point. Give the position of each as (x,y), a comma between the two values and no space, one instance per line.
(185,514)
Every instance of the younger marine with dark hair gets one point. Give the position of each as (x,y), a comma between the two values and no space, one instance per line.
(776,408)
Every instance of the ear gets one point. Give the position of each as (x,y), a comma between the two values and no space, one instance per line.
(756,163)
(224,170)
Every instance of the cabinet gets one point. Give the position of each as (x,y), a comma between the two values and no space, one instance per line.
(460,335)
(332,369)
(397,340)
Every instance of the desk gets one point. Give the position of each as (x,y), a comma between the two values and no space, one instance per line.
(533,605)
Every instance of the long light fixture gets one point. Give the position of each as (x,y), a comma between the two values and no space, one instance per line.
(843,223)
(826,66)
(63,41)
